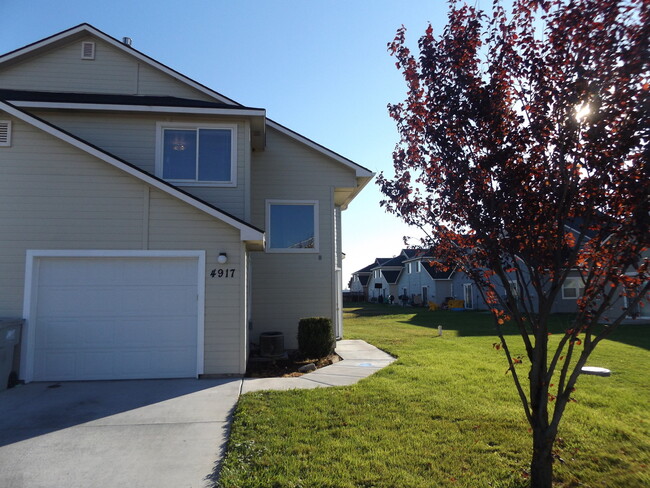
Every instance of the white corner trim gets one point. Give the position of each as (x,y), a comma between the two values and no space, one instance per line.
(170,190)
(31,287)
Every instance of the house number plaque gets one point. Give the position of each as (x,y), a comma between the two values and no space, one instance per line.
(223,273)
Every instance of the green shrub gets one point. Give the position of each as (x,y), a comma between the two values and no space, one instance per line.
(316,337)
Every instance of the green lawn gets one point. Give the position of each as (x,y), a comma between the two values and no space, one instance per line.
(444,414)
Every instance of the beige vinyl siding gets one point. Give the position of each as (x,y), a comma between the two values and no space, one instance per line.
(55,196)
(153,82)
(175,225)
(112,71)
(287,287)
(132,137)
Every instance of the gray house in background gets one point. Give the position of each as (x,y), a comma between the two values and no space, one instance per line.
(152,227)
(422,283)
(361,278)
(383,280)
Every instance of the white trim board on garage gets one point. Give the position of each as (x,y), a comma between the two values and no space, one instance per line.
(107,339)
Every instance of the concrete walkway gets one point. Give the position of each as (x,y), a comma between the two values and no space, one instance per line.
(140,433)
(359,360)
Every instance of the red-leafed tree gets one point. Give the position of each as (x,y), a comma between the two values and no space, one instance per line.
(520,125)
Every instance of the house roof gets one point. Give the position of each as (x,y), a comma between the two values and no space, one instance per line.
(138,103)
(363,175)
(397,261)
(364,279)
(371,266)
(412,253)
(391,276)
(111,99)
(248,232)
(436,274)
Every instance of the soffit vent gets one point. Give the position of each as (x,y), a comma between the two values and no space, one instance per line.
(87,50)
(5,133)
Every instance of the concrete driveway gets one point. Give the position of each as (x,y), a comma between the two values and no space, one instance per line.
(145,433)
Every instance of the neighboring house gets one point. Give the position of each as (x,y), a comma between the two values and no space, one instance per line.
(152,227)
(422,283)
(360,278)
(384,277)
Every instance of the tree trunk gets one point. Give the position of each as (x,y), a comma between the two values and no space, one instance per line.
(541,466)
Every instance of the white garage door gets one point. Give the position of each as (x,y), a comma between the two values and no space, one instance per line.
(114,318)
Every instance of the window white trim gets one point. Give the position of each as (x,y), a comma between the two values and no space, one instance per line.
(269,231)
(418,267)
(160,128)
(5,133)
(514,288)
(408,268)
(572,283)
(468,296)
(31,283)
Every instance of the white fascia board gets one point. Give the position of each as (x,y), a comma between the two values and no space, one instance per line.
(244,229)
(360,171)
(140,108)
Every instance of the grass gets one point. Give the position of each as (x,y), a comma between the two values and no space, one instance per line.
(444,414)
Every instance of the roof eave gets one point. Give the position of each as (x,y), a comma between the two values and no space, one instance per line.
(247,231)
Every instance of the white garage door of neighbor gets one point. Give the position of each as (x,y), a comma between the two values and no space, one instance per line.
(115,318)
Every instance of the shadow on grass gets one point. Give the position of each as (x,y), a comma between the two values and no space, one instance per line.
(474,323)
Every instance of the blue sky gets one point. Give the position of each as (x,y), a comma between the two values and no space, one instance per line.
(318,67)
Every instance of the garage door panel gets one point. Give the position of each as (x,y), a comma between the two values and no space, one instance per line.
(56,365)
(107,318)
(100,363)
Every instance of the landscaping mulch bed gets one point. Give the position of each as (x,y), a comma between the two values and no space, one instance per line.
(284,367)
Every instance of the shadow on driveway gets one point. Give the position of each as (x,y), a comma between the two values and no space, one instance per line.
(162,433)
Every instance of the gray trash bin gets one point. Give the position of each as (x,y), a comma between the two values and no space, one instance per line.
(10,330)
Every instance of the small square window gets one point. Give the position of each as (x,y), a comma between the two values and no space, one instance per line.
(292,226)
(572,288)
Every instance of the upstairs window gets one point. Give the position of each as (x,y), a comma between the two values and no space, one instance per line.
(572,288)
(192,155)
(292,226)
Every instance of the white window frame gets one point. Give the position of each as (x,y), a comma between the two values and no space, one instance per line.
(408,268)
(313,250)
(160,128)
(468,292)
(580,286)
(514,288)
(418,267)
